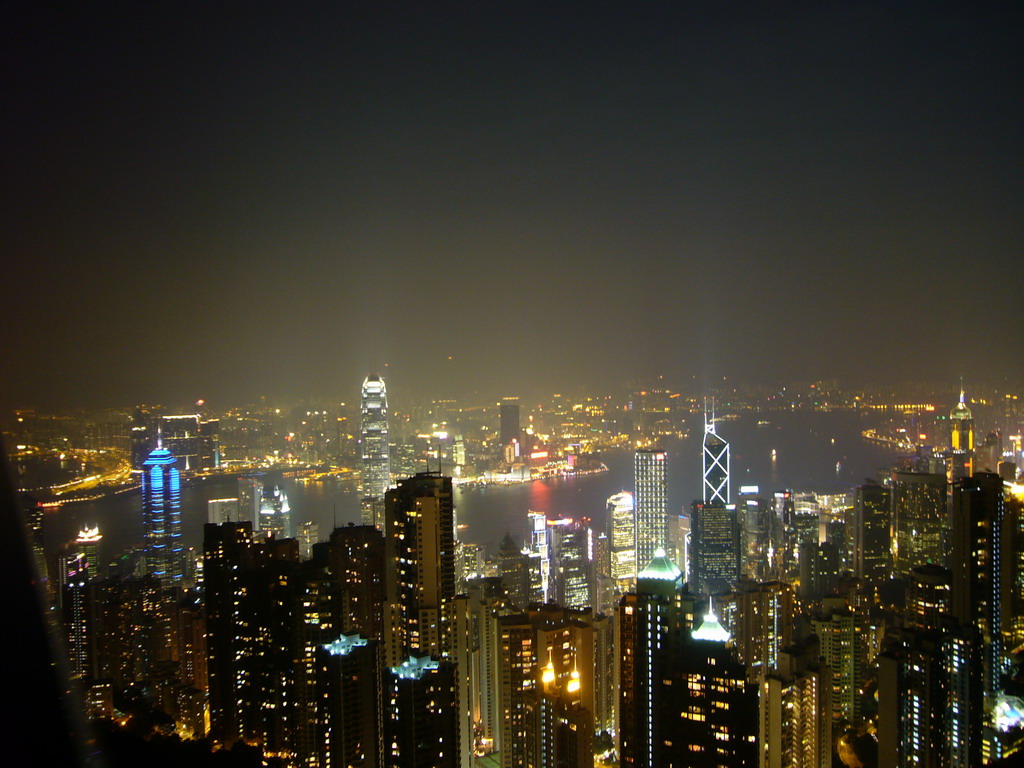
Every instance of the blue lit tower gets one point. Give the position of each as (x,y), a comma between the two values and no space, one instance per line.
(161,516)
(651,497)
(374,446)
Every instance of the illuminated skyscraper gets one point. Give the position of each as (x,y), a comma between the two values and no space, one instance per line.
(715,551)
(716,466)
(960,458)
(961,426)
(572,545)
(161,516)
(918,520)
(650,478)
(871,517)
(276,514)
(374,445)
(623,526)
(88,543)
(250,495)
(179,434)
(508,411)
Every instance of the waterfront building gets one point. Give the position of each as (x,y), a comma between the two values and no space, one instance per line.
(179,434)
(276,514)
(375,451)
(571,546)
(76,612)
(161,516)
(88,543)
(222,511)
(250,496)
(509,431)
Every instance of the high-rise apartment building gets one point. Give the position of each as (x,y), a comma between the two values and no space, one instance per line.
(650,475)
(546,662)
(349,727)
(419,541)
(763,624)
(420,708)
(374,446)
(251,591)
(651,619)
(839,647)
(977,573)
(796,711)
(871,519)
(161,516)
(356,560)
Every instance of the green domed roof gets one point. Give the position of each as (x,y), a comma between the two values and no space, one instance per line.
(960,411)
(661,567)
(711,629)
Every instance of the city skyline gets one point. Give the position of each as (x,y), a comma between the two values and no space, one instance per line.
(200,203)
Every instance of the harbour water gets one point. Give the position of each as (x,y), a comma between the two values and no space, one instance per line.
(822,452)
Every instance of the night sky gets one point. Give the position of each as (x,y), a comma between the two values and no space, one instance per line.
(227,200)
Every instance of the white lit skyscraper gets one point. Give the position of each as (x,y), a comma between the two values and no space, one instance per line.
(651,480)
(623,526)
(161,516)
(276,514)
(374,445)
(716,466)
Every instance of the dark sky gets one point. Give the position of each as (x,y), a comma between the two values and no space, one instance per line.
(223,200)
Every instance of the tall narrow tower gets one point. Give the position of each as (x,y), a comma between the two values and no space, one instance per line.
(622,521)
(716,465)
(650,476)
(420,567)
(161,516)
(374,444)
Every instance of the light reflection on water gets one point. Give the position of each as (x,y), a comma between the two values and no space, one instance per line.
(806,460)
